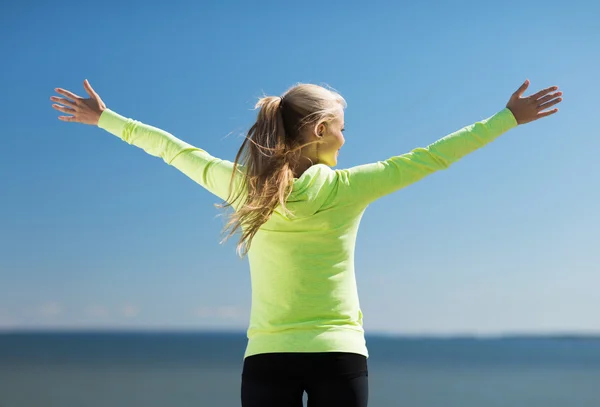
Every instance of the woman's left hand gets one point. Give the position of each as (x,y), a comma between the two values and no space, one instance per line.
(86,111)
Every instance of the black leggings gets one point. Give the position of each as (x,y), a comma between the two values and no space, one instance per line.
(329,379)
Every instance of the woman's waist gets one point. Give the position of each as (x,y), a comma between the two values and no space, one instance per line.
(323,338)
(304,312)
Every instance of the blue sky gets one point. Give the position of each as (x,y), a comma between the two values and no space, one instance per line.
(96,234)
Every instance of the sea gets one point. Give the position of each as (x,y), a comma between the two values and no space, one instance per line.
(125,369)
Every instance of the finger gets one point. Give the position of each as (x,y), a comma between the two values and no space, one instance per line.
(548,113)
(548,98)
(547,105)
(64,109)
(63,101)
(67,118)
(522,88)
(543,92)
(89,89)
(68,94)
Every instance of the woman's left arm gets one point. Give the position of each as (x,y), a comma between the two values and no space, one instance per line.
(210,172)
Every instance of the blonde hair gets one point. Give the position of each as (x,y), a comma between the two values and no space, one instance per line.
(272,150)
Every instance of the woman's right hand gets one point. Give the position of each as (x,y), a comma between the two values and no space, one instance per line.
(530,108)
(86,111)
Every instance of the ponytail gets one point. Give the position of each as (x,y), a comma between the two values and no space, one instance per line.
(271,152)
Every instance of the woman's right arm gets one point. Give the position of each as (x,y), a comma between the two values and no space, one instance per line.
(365,183)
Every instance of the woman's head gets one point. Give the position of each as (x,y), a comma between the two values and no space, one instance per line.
(301,128)
(313,116)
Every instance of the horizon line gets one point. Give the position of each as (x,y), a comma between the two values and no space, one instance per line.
(379,334)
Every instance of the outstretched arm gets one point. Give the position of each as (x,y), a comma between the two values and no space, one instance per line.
(364,184)
(212,173)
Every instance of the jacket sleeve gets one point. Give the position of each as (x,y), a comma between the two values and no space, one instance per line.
(366,183)
(210,172)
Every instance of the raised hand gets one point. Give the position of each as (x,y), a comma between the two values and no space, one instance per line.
(86,111)
(530,108)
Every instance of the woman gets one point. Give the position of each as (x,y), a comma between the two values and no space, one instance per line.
(298,219)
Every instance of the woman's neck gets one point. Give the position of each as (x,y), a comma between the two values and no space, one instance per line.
(304,164)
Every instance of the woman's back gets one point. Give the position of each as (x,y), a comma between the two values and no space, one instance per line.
(304,296)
